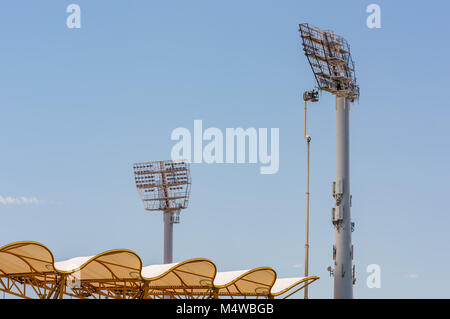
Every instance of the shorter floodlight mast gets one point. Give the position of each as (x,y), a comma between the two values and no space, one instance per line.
(164,186)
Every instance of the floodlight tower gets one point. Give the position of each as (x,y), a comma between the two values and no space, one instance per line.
(331,62)
(164,186)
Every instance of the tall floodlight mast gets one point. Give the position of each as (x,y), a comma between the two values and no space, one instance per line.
(164,186)
(331,62)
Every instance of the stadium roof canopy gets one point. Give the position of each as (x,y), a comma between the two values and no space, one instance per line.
(28,270)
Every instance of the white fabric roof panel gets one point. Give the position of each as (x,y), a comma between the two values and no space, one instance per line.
(118,264)
(283,285)
(198,272)
(72,265)
(153,271)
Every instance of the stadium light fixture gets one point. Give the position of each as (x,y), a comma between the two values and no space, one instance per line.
(164,186)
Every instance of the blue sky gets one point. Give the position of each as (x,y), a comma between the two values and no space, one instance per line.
(80,106)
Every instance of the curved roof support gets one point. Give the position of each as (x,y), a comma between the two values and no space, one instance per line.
(27,263)
(189,278)
(114,273)
(285,285)
(26,257)
(253,282)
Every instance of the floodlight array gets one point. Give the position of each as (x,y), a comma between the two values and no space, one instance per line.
(330,60)
(163,185)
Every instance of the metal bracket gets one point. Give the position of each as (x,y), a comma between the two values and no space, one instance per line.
(338,192)
(353,275)
(175,217)
(331,271)
(337,214)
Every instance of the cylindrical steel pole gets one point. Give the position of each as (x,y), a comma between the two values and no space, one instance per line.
(168,237)
(308,140)
(343,277)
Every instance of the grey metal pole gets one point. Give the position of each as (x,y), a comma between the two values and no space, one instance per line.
(343,253)
(168,237)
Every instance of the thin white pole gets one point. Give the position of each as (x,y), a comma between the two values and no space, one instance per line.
(308,142)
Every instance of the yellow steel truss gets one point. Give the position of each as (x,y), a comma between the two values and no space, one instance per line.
(28,270)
